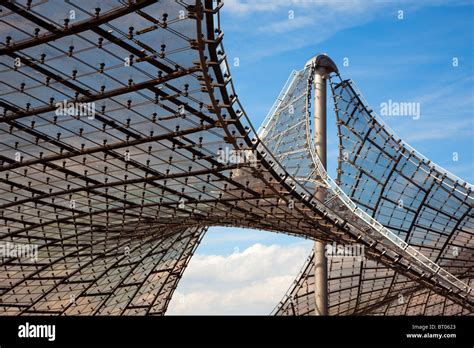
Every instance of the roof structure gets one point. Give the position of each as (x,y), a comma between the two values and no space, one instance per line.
(123,139)
(423,204)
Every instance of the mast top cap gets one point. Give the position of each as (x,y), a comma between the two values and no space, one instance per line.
(322,60)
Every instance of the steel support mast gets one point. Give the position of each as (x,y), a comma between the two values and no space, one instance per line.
(323,65)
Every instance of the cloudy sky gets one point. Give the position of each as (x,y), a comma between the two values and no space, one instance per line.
(405,51)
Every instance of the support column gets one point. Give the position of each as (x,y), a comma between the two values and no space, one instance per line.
(320,259)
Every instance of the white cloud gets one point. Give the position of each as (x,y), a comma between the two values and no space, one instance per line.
(238,7)
(244,7)
(286,25)
(436,131)
(272,32)
(249,282)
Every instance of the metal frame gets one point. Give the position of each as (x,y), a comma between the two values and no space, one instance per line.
(361,132)
(117,203)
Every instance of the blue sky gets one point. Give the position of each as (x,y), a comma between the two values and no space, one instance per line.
(403,60)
